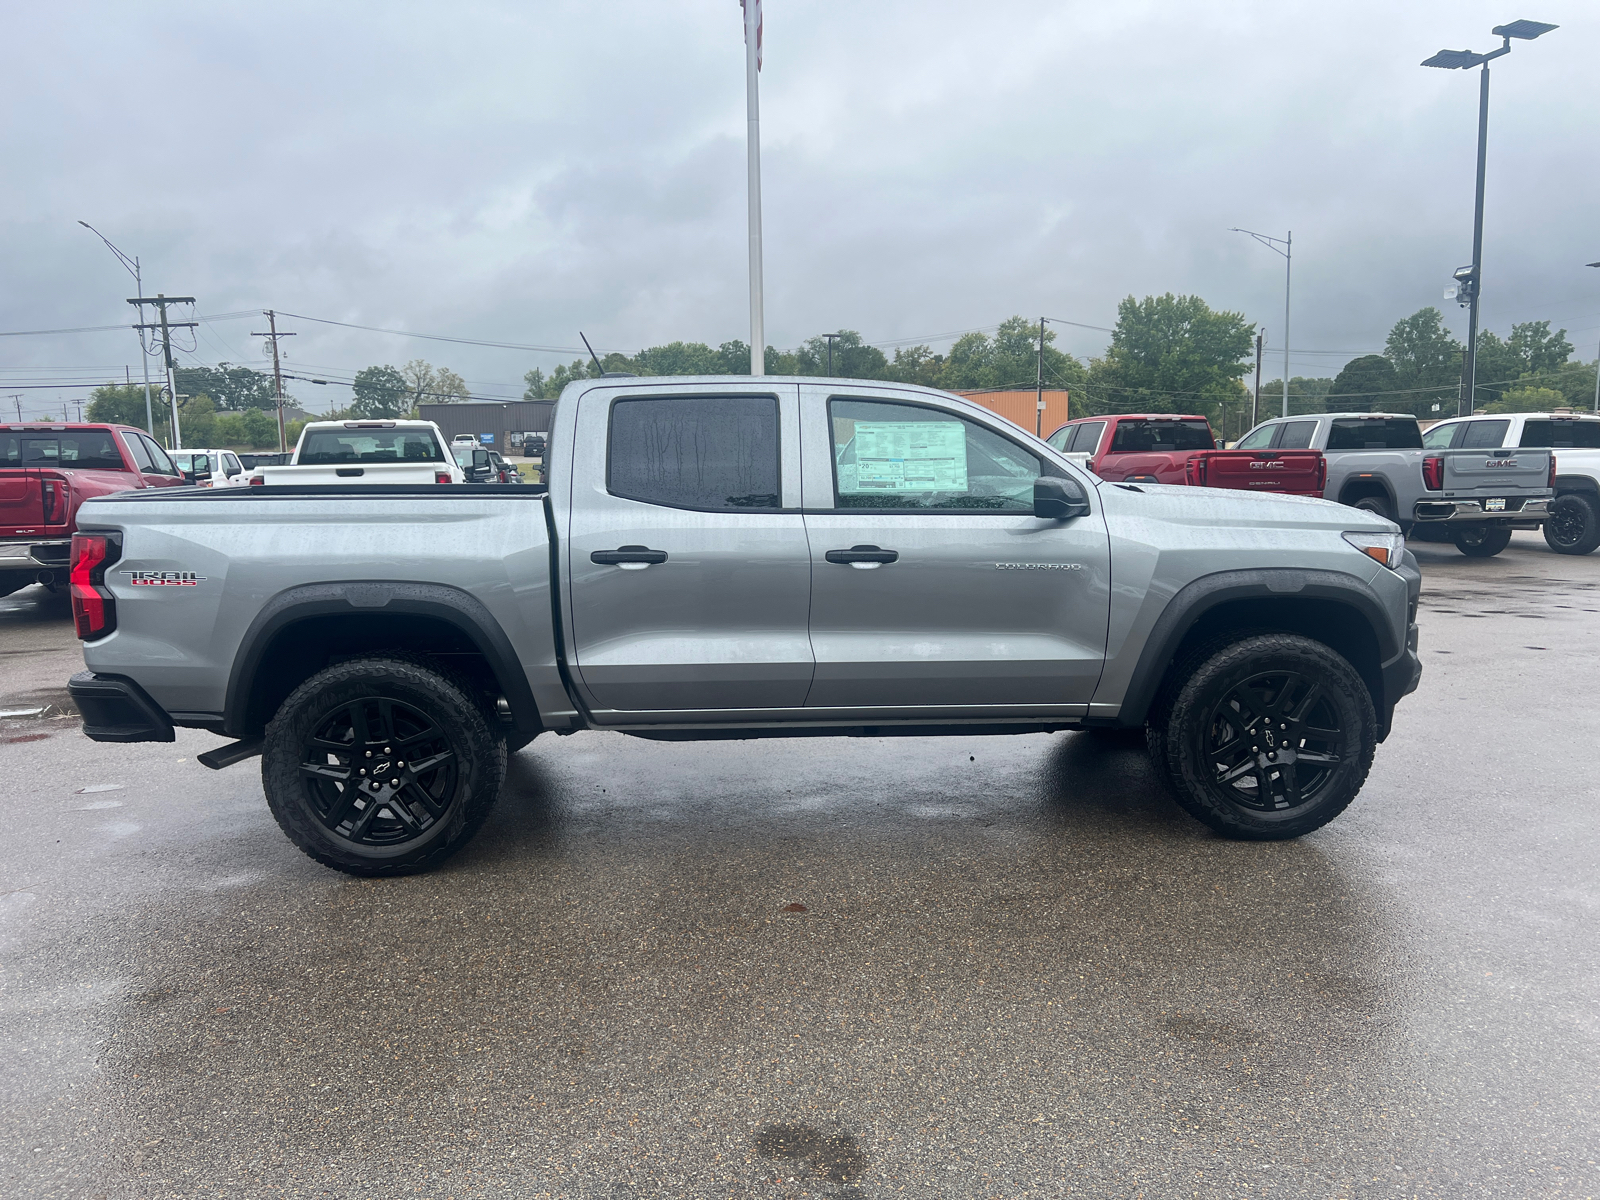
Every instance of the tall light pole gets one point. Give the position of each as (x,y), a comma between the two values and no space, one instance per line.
(752,99)
(1285,247)
(1472,278)
(1596,371)
(132,265)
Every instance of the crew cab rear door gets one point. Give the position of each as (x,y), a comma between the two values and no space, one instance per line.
(934,589)
(686,556)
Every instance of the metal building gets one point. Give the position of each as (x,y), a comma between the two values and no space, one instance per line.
(497,425)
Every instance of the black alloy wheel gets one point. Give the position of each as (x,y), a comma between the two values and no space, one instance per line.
(377,772)
(1573,526)
(1481,540)
(383,765)
(1378,505)
(1265,737)
(1275,741)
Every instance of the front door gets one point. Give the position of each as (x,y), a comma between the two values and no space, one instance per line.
(686,556)
(933,585)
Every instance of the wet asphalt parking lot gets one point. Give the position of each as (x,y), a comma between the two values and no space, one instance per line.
(944,967)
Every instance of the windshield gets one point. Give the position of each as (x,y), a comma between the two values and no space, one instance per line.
(1147,437)
(370,445)
(462,453)
(84,449)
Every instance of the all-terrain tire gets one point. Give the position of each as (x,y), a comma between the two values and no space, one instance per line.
(1269,737)
(1573,526)
(358,723)
(1481,542)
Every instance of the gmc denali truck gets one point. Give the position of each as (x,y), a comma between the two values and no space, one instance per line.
(741,558)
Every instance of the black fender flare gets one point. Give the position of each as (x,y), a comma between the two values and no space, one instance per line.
(452,605)
(1383,483)
(1200,596)
(1567,485)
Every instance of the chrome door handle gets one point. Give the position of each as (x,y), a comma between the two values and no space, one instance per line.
(863,558)
(629,558)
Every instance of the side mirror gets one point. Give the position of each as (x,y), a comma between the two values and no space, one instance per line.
(1057,499)
(480,460)
(1221,445)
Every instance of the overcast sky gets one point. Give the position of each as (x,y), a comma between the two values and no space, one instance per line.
(518,172)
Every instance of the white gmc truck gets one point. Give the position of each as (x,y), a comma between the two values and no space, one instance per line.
(367,452)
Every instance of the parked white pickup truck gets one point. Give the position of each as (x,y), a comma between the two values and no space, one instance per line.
(1574,439)
(367,452)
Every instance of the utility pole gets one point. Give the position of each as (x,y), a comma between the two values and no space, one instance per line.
(16,398)
(277,374)
(831,338)
(161,302)
(1255,404)
(1038,385)
(752,88)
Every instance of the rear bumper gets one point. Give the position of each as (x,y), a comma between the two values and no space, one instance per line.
(116,709)
(1518,512)
(33,553)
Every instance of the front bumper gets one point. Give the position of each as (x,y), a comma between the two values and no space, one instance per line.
(116,709)
(1519,513)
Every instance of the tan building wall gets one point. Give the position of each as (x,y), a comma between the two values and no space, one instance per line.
(1020,408)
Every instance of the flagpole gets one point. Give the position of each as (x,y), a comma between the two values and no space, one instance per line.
(752,74)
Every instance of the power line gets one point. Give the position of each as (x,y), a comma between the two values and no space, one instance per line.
(439,337)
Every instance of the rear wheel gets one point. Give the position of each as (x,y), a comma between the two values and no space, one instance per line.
(1269,737)
(1573,526)
(1375,504)
(1482,541)
(381,766)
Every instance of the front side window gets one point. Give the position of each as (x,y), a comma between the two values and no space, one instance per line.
(141,456)
(333,446)
(1297,435)
(1375,433)
(72,449)
(1062,438)
(1135,437)
(1568,434)
(1256,439)
(1438,438)
(906,456)
(161,463)
(1484,435)
(699,452)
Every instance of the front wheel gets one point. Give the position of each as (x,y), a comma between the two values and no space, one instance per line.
(1375,504)
(1482,541)
(1269,738)
(381,766)
(1573,526)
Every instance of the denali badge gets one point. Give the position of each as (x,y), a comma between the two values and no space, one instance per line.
(164,578)
(1038,566)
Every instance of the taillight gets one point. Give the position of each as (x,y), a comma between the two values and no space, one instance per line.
(1194,471)
(55,501)
(94,609)
(1322,475)
(1433,474)
(1551,481)
(441,476)
(257,481)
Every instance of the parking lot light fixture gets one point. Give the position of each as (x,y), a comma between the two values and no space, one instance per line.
(1452,60)
(1285,247)
(1596,371)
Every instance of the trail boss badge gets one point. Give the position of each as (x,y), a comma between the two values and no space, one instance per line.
(164,578)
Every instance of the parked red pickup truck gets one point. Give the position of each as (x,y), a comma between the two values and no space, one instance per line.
(1179,449)
(46,472)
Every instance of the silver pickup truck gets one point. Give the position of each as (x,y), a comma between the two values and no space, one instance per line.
(1473,497)
(742,558)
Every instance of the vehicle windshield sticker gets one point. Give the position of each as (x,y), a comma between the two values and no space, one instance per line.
(164,578)
(909,456)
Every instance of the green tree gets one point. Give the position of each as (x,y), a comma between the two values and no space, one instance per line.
(230,388)
(433,385)
(229,432)
(260,430)
(678,358)
(380,392)
(1427,361)
(1008,360)
(1366,384)
(1537,348)
(1172,354)
(919,364)
(852,358)
(197,420)
(123,404)
(1526,399)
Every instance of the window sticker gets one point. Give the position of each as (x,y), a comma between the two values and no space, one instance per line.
(909,456)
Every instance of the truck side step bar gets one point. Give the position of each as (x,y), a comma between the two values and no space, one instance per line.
(235,752)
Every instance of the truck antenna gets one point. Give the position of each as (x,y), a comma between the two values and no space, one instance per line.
(592,354)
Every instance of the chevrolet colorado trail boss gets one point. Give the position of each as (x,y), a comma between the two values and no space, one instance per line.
(741,558)
(1376,461)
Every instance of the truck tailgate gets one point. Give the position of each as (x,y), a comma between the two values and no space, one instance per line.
(1496,472)
(353,473)
(1291,472)
(21,502)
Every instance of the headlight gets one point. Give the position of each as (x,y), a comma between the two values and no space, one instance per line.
(1387,548)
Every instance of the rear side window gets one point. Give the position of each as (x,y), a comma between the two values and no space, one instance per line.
(1483,435)
(1133,437)
(1297,435)
(701,452)
(1375,433)
(69,449)
(1561,435)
